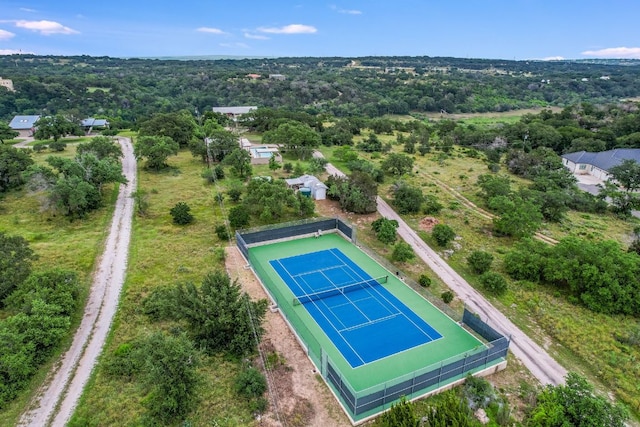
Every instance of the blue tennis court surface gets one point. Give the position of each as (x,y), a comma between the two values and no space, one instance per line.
(364,320)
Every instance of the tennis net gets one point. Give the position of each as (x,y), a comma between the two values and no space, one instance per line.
(315,296)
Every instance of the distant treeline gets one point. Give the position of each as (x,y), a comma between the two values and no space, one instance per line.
(131,90)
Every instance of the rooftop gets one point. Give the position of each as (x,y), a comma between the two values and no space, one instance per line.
(604,160)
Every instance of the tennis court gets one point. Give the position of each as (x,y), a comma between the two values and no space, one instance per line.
(351,307)
(372,338)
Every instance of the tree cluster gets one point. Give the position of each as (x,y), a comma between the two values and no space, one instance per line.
(599,275)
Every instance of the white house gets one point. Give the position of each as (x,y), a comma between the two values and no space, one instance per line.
(309,183)
(598,164)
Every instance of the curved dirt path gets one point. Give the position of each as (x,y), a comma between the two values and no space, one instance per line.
(56,399)
(534,357)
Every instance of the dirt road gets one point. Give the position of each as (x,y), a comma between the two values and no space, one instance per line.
(56,399)
(534,357)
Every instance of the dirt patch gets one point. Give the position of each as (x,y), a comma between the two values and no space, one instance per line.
(297,394)
(427,223)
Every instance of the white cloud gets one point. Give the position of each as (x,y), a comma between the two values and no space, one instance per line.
(350,12)
(615,52)
(346,11)
(289,29)
(5,35)
(14,52)
(553,58)
(45,27)
(235,45)
(255,36)
(26,9)
(211,30)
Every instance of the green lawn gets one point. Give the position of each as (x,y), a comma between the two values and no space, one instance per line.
(162,254)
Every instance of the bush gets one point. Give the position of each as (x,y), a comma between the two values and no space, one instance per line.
(250,383)
(57,145)
(424,280)
(443,234)
(402,252)
(39,146)
(494,282)
(431,205)
(222,233)
(181,214)
(480,262)
(234,194)
(447,297)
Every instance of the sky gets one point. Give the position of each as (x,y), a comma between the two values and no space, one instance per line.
(494,29)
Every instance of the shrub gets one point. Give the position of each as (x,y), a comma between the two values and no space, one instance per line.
(447,297)
(57,145)
(480,262)
(402,252)
(494,282)
(443,234)
(39,146)
(234,194)
(250,383)
(181,214)
(431,205)
(222,232)
(424,280)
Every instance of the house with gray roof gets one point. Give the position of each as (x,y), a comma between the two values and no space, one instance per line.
(24,125)
(234,112)
(89,124)
(310,185)
(598,164)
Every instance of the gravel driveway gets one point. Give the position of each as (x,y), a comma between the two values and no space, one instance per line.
(55,401)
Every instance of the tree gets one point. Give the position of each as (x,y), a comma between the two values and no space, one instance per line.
(626,198)
(102,147)
(239,216)
(240,162)
(181,214)
(56,287)
(518,218)
(6,132)
(15,263)
(494,282)
(397,164)
(180,127)
(74,197)
(56,127)
(167,366)
(294,137)
(219,317)
(13,162)
(443,234)
(401,414)
(385,230)
(357,193)
(156,149)
(480,261)
(575,404)
(270,200)
(407,198)
(402,252)
(493,186)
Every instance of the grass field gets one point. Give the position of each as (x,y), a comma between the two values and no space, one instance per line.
(161,254)
(580,339)
(59,243)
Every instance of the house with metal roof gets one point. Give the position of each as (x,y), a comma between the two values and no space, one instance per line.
(234,112)
(89,124)
(598,164)
(308,185)
(24,125)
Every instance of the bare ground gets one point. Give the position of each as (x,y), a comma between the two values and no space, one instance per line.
(297,394)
